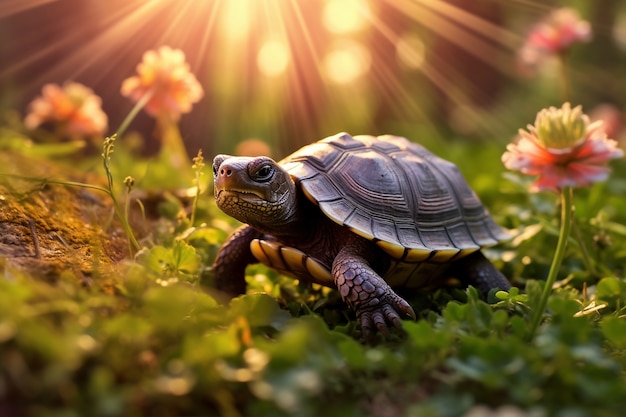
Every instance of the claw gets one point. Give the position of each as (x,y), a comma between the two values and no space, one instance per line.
(379,321)
(392,316)
(366,326)
(406,309)
(383,316)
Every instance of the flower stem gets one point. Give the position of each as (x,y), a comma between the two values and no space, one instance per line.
(107,191)
(107,150)
(566,93)
(565,87)
(566,221)
(133,243)
(133,112)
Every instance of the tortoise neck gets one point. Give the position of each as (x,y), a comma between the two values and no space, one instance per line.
(298,221)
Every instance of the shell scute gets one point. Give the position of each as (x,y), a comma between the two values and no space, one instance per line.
(361,223)
(322,188)
(413,204)
(338,210)
(387,231)
(345,141)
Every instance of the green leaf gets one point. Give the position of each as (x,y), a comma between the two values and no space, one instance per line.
(185,258)
(614,329)
(612,291)
(169,307)
(259,310)
(179,261)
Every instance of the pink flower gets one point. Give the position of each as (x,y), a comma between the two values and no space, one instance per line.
(563,149)
(611,116)
(74,108)
(554,35)
(164,75)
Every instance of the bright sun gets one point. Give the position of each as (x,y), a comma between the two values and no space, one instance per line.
(286,58)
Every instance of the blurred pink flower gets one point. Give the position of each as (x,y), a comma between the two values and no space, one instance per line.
(165,75)
(74,108)
(611,116)
(563,149)
(554,35)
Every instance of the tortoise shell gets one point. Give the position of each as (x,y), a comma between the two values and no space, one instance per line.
(414,205)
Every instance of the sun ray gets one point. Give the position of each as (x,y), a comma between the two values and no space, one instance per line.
(285,70)
(12,7)
(461,28)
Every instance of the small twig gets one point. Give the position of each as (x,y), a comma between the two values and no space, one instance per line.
(86,281)
(60,239)
(33,233)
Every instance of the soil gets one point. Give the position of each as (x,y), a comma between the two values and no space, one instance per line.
(50,229)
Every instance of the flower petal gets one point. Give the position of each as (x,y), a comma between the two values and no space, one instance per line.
(165,74)
(579,165)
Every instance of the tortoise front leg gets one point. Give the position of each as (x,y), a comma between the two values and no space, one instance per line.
(232,259)
(375,303)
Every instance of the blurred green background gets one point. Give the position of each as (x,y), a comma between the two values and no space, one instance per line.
(147,339)
(291,72)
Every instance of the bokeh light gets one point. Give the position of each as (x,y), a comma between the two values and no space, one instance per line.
(346,16)
(346,62)
(292,71)
(236,18)
(619,31)
(273,58)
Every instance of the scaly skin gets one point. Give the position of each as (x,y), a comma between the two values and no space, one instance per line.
(476,270)
(261,193)
(232,259)
(375,303)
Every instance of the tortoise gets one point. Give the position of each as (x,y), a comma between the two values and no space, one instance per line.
(361,214)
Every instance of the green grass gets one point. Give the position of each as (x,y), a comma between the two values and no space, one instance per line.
(159,344)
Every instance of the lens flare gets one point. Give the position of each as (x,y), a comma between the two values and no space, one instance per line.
(345,16)
(278,60)
(236,19)
(273,58)
(346,62)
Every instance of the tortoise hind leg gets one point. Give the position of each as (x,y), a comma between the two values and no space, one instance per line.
(476,270)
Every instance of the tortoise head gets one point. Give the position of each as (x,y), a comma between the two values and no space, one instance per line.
(256,191)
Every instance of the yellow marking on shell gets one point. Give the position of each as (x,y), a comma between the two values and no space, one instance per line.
(290,261)
(398,251)
(467,251)
(423,254)
(443,255)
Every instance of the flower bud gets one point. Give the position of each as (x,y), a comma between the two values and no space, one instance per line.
(561,128)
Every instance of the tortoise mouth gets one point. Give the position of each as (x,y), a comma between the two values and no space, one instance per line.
(246,195)
(245,206)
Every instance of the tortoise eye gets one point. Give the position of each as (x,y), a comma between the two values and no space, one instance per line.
(264,173)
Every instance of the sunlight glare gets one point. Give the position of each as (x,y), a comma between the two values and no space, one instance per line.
(346,62)
(236,18)
(410,51)
(345,16)
(273,58)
